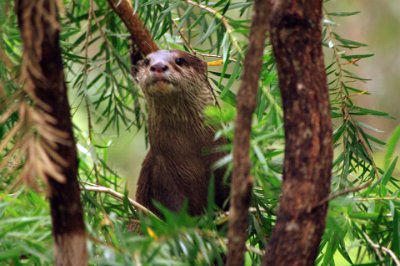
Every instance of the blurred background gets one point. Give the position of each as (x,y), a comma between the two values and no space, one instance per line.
(377,25)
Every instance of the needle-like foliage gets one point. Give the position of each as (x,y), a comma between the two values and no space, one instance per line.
(364,208)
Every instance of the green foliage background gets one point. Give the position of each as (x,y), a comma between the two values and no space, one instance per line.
(106,103)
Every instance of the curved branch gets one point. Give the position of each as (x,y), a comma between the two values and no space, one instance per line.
(115,194)
(377,249)
(141,37)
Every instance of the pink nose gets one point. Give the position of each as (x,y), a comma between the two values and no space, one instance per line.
(159,67)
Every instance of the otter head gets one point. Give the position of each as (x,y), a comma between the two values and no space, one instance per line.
(172,72)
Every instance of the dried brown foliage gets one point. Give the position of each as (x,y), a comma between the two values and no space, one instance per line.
(35,136)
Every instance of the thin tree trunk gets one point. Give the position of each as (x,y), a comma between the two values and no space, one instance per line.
(297,44)
(40,35)
(242,182)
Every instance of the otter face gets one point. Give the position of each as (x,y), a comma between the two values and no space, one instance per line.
(169,72)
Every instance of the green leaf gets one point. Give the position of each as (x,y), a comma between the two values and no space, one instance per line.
(356,56)
(357,110)
(391,146)
(389,172)
(343,14)
(348,43)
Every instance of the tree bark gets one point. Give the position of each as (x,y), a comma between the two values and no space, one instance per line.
(242,182)
(40,36)
(295,29)
(140,36)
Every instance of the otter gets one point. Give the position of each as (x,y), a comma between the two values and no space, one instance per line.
(178,165)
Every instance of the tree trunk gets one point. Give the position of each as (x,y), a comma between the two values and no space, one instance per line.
(242,182)
(295,29)
(40,35)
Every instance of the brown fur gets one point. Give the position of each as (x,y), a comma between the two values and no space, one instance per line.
(178,164)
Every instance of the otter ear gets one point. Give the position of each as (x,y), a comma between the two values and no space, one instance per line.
(135,70)
(136,62)
(201,65)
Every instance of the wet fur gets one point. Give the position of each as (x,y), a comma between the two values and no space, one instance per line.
(178,164)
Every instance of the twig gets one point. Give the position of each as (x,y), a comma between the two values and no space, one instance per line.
(347,116)
(376,198)
(86,98)
(185,41)
(224,21)
(215,55)
(102,33)
(339,84)
(344,192)
(358,188)
(191,49)
(377,249)
(224,216)
(367,149)
(117,195)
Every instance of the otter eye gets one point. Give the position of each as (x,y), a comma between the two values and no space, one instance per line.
(180,61)
(146,62)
